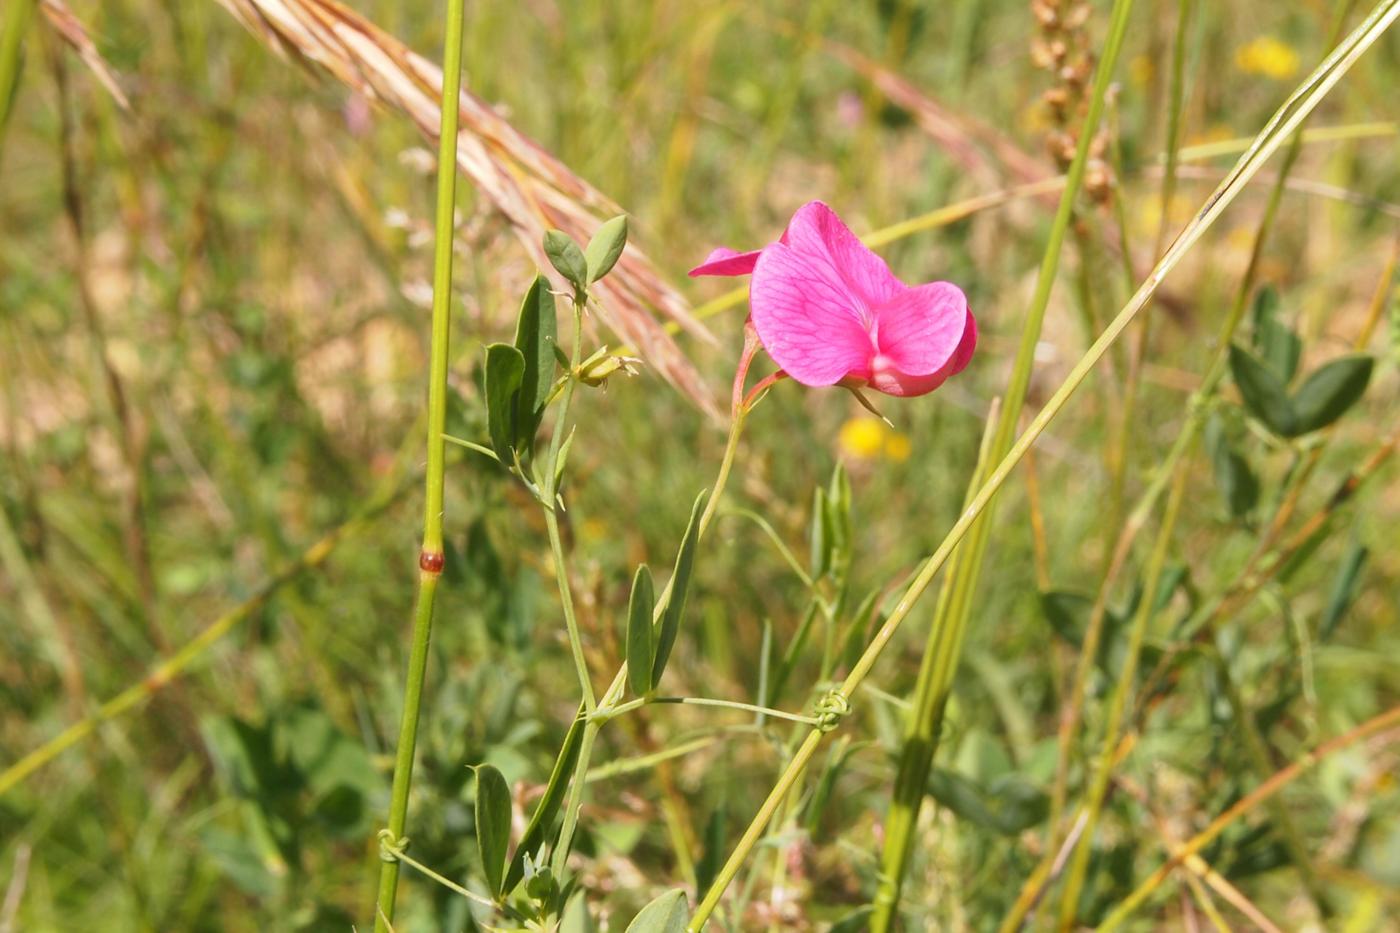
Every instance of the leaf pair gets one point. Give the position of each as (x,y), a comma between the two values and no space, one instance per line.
(520,377)
(1322,398)
(649,644)
(583,267)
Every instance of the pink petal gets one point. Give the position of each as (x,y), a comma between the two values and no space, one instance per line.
(816,232)
(920,329)
(808,319)
(724,261)
(924,336)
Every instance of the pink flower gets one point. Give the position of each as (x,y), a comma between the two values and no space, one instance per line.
(829,311)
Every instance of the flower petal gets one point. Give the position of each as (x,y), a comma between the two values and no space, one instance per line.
(920,329)
(816,232)
(809,322)
(725,261)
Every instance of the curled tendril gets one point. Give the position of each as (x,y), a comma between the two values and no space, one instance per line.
(831,709)
(389,847)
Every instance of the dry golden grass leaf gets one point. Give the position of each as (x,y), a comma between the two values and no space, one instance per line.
(71,31)
(531,188)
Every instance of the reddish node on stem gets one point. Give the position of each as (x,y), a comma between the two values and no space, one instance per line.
(430,561)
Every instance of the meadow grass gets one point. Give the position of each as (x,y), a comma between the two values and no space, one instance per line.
(224,289)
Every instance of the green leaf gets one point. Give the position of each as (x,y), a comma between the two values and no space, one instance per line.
(856,921)
(1067,612)
(505,366)
(820,537)
(1343,590)
(1263,392)
(712,855)
(667,914)
(492,825)
(1008,805)
(566,257)
(1277,345)
(605,247)
(548,807)
(1327,394)
(1280,349)
(1236,480)
(536,338)
(641,634)
(680,584)
(576,918)
(838,507)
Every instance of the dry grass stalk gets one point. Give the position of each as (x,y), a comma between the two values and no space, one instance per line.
(71,31)
(531,188)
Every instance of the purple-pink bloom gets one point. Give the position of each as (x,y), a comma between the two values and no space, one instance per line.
(829,311)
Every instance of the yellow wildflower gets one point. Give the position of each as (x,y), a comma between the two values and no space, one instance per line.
(868,438)
(1269,57)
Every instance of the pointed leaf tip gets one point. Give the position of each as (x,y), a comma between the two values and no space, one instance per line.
(641,634)
(666,914)
(492,825)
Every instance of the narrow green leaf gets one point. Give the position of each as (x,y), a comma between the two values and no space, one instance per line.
(713,853)
(536,338)
(566,257)
(856,921)
(1343,590)
(680,584)
(492,825)
(1280,349)
(504,368)
(820,535)
(838,507)
(1263,392)
(667,914)
(548,808)
(605,247)
(1008,805)
(1332,389)
(641,634)
(1237,482)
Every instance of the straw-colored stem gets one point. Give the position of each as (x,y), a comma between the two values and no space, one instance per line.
(1241,808)
(430,559)
(1122,435)
(1118,704)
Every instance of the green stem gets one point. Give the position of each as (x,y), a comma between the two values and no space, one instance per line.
(550,500)
(17,15)
(1280,127)
(615,711)
(615,689)
(430,557)
(1177,93)
(1118,705)
(923,727)
(924,719)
